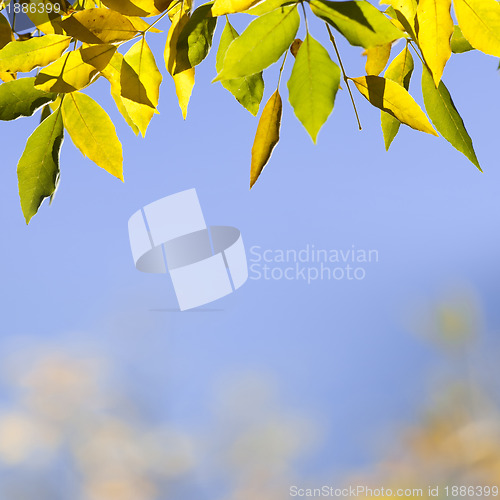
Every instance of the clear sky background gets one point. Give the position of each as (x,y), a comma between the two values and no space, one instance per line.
(346,353)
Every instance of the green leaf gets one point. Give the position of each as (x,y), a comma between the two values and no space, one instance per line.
(266,137)
(264,7)
(38,168)
(399,71)
(358,20)
(6,35)
(445,117)
(21,98)
(99,26)
(459,43)
(93,132)
(313,85)
(195,39)
(24,56)
(395,100)
(261,44)
(247,90)
(479,21)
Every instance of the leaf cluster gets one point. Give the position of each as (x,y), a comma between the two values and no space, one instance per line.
(71,46)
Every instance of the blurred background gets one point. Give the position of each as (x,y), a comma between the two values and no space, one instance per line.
(108,393)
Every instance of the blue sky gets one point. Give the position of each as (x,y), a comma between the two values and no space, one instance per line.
(343,351)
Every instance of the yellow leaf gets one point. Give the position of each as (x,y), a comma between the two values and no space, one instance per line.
(99,26)
(7,77)
(390,97)
(222,7)
(45,15)
(141,25)
(435,30)
(406,11)
(266,137)
(75,70)
(376,58)
(140,77)
(184,81)
(141,8)
(112,73)
(480,24)
(24,56)
(93,132)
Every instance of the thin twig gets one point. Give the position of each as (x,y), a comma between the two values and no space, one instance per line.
(346,78)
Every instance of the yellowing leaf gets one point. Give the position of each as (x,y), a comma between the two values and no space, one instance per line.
(458,42)
(38,168)
(222,7)
(140,82)
(140,77)
(112,73)
(141,8)
(406,11)
(399,71)
(75,70)
(313,85)
(24,56)
(480,24)
(376,58)
(99,26)
(266,137)
(93,132)
(435,30)
(358,20)
(45,15)
(261,44)
(395,100)
(184,81)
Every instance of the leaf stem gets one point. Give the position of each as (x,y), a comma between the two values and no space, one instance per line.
(305,17)
(346,78)
(159,19)
(281,70)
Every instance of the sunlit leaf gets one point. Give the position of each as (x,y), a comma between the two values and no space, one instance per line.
(479,21)
(265,6)
(46,14)
(222,7)
(434,33)
(266,137)
(313,85)
(99,26)
(247,90)
(405,12)
(395,100)
(358,20)
(112,73)
(75,70)
(399,71)
(21,98)
(24,56)
(445,117)
(140,8)
(38,168)
(184,81)
(93,132)
(377,58)
(261,44)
